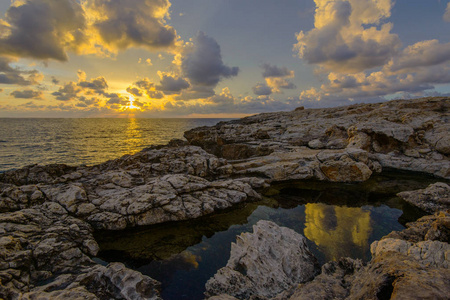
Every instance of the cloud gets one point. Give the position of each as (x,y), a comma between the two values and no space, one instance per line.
(67,92)
(277,83)
(274,71)
(262,89)
(349,35)
(147,87)
(119,99)
(99,84)
(27,94)
(276,78)
(447,13)
(202,63)
(122,24)
(55,80)
(134,91)
(43,29)
(49,29)
(171,84)
(196,92)
(421,54)
(10,75)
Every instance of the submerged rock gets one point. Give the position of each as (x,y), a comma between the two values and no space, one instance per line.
(264,263)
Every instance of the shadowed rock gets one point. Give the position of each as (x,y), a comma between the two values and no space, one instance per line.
(434,198)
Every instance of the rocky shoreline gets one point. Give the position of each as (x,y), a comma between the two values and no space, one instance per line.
(48,213)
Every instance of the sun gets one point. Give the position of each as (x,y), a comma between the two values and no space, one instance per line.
(131,106)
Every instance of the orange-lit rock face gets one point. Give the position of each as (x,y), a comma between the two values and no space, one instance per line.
(337,230)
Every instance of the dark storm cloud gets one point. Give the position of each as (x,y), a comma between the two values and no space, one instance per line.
(170,84)
(27,94)
(262,89)
(43,29)
(203,65)
(274,71)
(127,23)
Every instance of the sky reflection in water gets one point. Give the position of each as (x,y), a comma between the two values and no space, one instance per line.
(338,221)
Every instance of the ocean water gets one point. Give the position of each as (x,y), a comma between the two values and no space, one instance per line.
(84,141)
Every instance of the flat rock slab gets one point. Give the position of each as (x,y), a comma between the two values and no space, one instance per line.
(434,198)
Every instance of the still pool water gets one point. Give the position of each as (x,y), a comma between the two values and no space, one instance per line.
(337,219)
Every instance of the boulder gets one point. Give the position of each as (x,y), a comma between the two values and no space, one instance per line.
(264,263)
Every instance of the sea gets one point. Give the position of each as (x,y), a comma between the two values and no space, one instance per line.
(84,141)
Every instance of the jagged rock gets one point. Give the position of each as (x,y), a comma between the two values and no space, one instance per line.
(430,253)
(44,243)
(406,135)
(434,198)
(393,275)
(152,186)
(264,263)
(428,228)
(40,242)
(114,281)
(333,282)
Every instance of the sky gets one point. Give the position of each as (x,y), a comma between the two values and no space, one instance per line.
(217,58)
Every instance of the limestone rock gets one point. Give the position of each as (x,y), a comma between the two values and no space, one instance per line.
(334,282)
(428,228)
(114,281)
(264,263)
(434,198)
(153,186)
(393,275)
(406,135)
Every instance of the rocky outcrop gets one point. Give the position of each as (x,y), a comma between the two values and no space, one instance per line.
(153,186)
(434,198)
(320,143)
(45,244)
(48,213)
(264,263)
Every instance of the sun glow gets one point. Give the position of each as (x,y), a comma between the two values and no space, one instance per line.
(131,105)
